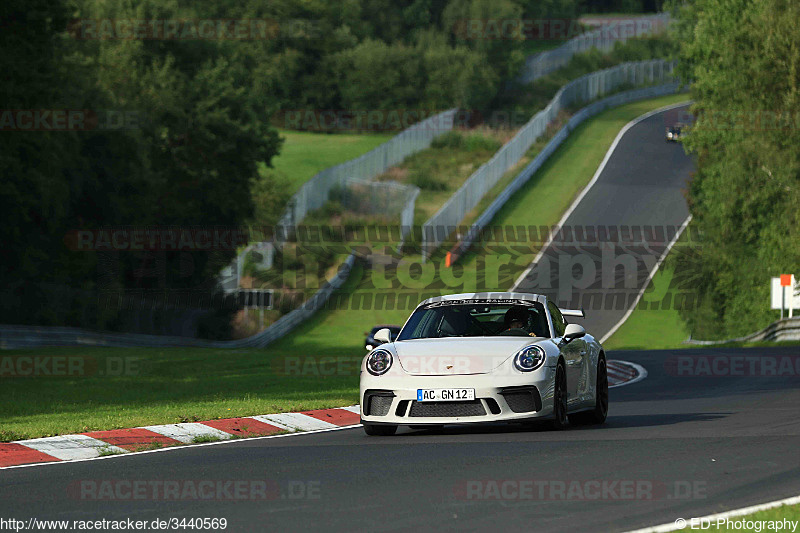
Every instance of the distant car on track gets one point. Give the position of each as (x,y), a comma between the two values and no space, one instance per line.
(370,341)
(488,357)
(676,133)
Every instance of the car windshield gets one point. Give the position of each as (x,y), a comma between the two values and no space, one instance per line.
(459,318)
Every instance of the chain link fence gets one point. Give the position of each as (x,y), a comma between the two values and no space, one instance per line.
(611,32)
(584,89)
(316,191)
(386,198)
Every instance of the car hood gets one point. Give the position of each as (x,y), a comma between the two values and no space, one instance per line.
(457,355)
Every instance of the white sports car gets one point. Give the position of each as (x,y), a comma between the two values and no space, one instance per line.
(485,357)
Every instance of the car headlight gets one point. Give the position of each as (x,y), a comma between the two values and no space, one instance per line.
(379,362)
(529,358)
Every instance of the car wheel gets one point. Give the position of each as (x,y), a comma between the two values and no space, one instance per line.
(599,414)
(560,420)
(376,430)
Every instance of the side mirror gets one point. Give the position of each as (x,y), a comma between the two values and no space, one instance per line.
(573,331)
(384,335)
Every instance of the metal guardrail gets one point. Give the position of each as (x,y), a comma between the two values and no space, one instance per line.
(316,191)
(787,329)
(604,38)
(584,89)
(14,337)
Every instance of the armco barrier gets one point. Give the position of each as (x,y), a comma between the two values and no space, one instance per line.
(522,178)
(12,337)
(583,89)
(787,329)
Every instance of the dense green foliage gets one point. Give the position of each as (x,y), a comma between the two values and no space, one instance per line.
(186,157)
(406,54)
(743,59)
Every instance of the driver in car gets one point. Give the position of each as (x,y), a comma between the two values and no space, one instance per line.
(515,320)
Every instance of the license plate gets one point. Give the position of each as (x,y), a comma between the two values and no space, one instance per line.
(445,395)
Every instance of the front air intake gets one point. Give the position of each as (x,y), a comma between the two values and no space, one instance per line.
(377,402)
(522,399)
(446,409)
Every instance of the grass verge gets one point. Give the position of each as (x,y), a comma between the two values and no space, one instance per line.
(652,328)
(130,387)
(656,323)
(304,154)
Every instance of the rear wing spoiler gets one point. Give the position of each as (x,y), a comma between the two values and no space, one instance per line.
(573,312)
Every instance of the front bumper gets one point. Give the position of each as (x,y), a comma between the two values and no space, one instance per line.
(393,399)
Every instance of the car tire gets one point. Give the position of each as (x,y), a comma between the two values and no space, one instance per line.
(599,414)
(560,418)
(376,430)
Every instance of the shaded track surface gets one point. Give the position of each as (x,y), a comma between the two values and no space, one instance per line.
(691,438)
(620,228)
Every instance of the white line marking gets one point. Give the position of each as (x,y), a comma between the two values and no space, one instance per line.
(71,447)
(649,279)
(296,421)
(586,189)
(176,448)
(353,409)
(794,500)
(187,431)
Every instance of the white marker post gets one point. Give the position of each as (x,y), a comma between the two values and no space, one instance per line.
(786,283)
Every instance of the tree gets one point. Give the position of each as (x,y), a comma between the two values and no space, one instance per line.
(744,196)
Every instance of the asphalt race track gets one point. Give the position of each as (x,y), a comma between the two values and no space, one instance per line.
(629,214)
(690,439)
(708,430)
